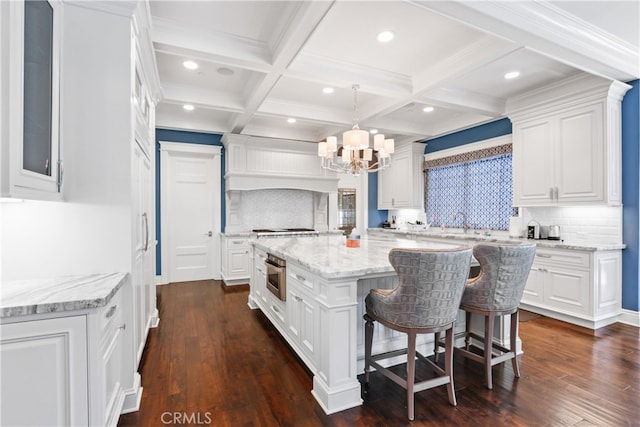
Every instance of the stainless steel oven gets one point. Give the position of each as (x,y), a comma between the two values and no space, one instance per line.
(277,276)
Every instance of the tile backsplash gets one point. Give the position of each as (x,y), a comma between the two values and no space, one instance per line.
(277,208)
(580,224)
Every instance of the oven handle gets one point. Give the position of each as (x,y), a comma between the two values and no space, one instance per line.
(274,266)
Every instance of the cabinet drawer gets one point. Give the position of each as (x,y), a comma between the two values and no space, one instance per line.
(303,279)
(277,309)
(237,244)
(110,316)
(566,257)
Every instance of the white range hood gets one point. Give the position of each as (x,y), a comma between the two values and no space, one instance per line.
(255,163)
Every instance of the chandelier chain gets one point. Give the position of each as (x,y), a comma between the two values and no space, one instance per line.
(355,88)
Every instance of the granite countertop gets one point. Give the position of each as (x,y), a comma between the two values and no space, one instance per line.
(67,293)
(329,257)
(541,243)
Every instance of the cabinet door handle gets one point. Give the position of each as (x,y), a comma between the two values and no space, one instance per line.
(123,326)
(551,193)
(111,311)
(146,231)
(60,173)
(555,193)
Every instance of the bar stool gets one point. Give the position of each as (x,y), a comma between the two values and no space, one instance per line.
(426,300)
(496,291)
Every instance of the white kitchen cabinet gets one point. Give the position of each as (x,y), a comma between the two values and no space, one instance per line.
(235,260)
(30,75)
(303,313)
(44,372)
(401,185)
(567,144)
(64,368)
(559,159)
(258,283)
(576,286)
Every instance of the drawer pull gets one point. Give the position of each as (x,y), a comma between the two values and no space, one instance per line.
(543,255)
(111,311)
(123,327)
(274,308)
(301,278)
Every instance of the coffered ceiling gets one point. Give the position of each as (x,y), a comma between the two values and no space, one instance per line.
(264,62)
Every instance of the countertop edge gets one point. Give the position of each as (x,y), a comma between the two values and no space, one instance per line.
(112,282)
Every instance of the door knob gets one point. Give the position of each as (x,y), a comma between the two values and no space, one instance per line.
(210,233)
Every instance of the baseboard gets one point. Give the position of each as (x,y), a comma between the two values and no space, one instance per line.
(161,280)
(132,396)
(155,319)
(630,317)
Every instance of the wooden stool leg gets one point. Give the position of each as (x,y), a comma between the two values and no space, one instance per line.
(368,342)
(411,373)
(448,365)
(467,329)
(512,343)
(488,347)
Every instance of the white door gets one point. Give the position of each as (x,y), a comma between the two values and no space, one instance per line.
(190,212)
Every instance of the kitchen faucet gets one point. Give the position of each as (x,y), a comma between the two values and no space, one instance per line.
(465,226)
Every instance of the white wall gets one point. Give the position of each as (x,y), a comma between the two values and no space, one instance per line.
(91,231)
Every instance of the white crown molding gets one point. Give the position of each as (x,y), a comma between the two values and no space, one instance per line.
(120,8)
(549,30)
(479,145)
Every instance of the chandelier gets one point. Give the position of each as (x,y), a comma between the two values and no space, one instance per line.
(355,155)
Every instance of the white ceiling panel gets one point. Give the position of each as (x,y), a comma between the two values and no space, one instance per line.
(449,54)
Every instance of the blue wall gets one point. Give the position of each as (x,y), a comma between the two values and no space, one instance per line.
(467,136)
(630,198)
(166,135)
(376,217)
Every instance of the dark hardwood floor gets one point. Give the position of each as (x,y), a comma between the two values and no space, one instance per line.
(213,361)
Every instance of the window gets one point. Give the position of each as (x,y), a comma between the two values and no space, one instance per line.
(477,184)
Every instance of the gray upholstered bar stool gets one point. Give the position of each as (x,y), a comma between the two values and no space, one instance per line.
(426,300)
(496,291)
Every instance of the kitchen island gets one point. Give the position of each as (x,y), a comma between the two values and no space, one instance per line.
(321,316)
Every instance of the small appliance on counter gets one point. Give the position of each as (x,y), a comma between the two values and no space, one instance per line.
(533,230)
(554,232)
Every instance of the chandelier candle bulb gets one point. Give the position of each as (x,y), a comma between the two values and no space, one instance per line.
(389,146)
(322,149)
(368,154)
(332,144)
(378,141)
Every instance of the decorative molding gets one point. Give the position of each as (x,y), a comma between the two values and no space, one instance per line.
(629,317)
(480,145)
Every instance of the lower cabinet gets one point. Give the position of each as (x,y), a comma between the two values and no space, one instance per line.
(303,318)
(235,260)
(64,368)
(44,372)
(576,286)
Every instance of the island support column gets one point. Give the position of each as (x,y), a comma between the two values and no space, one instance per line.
(336,386)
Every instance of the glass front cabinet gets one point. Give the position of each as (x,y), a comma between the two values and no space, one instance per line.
(32,167)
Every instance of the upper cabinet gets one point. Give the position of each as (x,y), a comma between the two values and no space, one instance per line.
(30,89)
(401,186)
(567,143)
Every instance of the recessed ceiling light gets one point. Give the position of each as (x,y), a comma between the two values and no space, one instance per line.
(190,65)
(327,90)
(512,75)
(373,131)
(225,71)
(188,107)
(385,36)
(427,109)
(291,120)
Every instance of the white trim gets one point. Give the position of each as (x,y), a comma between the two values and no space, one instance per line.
(630,317)
(465,148)
(167,148)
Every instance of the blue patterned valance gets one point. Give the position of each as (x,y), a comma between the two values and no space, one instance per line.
(477,183)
